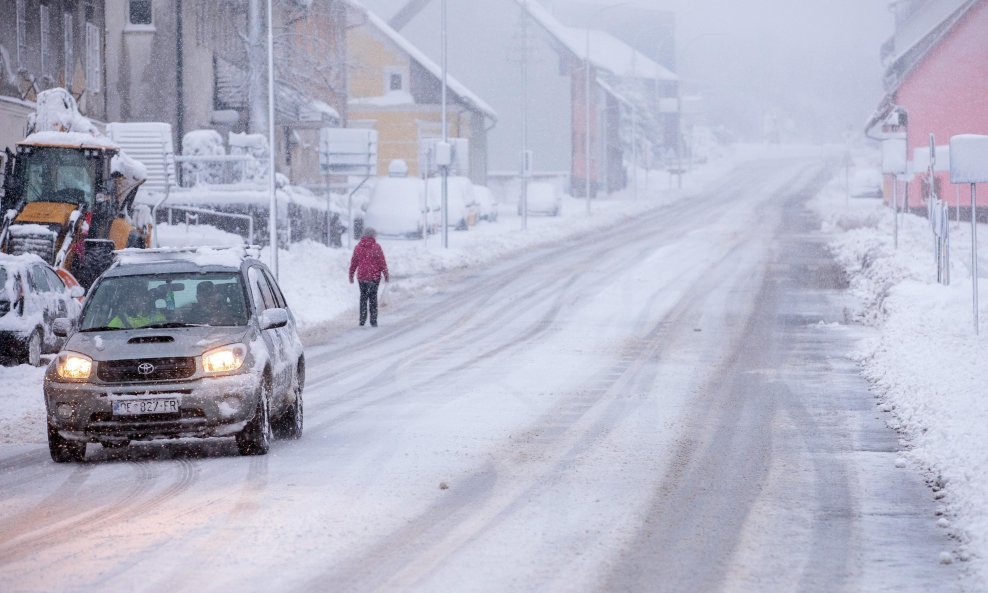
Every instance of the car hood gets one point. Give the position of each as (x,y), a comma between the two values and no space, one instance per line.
(154,343)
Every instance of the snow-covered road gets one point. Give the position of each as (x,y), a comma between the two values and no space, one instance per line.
(659,406)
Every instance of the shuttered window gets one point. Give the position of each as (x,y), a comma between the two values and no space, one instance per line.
(21,16)
(93,63)
(45,42)
(68,49)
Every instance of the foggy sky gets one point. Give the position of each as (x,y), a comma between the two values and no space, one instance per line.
(814,62)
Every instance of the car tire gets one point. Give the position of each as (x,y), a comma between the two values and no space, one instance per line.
(290,423)
(255,438)
(32,350)
(64,450)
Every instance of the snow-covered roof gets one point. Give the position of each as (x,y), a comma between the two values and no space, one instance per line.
(69,140)
(617,57)
(229,257)
(606,51)
(919,34)
(468,97)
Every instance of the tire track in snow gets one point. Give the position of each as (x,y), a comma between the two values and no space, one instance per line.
(405,562)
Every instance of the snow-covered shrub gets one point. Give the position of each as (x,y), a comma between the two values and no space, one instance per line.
(202,143)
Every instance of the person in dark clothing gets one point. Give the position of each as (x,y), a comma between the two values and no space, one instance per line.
(370,266)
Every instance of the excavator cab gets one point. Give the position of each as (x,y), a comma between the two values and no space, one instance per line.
(66,205)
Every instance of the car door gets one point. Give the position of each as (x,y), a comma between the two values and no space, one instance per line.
(65,305)
(39,301)
(263,298)
(288,334)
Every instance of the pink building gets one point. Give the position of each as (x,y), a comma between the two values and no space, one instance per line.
(936,82)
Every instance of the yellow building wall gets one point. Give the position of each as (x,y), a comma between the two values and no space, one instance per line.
(371,55)
(397,126)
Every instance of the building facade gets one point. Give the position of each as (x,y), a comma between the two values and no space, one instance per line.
(46,44)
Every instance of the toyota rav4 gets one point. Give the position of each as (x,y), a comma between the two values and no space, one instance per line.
(175,343)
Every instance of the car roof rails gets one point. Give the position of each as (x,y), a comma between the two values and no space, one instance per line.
(218,255)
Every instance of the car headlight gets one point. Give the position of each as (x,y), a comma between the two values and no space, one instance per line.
(72,365)
(224,359)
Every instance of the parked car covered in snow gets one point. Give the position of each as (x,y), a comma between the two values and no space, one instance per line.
(543,199)
(32,296)
(397,204)
(486,204)
(175,343)
(457,212)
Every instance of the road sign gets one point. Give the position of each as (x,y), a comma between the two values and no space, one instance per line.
(347,151)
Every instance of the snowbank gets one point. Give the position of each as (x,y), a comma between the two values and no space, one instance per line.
(926,366)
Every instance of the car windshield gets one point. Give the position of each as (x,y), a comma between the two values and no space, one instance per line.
(58,175)
(166,300)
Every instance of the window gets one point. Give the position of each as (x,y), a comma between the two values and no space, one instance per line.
(68,42)
(260,290)
(395,80)
(38,280)
(45,43)
(140,12)
(279,298)
(21,10)
(93,66)
(54,281)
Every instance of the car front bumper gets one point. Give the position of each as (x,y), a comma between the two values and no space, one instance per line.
(208,406)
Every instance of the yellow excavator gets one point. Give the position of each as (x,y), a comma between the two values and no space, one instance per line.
(68,193)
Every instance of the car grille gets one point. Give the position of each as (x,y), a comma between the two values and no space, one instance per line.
(135,370)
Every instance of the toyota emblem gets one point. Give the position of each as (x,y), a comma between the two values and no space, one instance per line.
(145,368)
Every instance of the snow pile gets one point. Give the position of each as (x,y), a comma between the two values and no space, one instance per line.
(182,235)
(202,143)
(23,416)
(926,365)
(256,146)
(57,111)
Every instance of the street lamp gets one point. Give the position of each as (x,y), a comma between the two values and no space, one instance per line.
(586,96)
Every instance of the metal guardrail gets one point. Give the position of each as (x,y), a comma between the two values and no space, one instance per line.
(197,211)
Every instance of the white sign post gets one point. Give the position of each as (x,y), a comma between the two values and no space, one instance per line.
(969,164)
(348,151)
(894,162)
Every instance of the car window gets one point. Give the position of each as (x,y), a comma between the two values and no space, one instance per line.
(38,281)
(54,281)
(279,298)
(191,298)
(260,290)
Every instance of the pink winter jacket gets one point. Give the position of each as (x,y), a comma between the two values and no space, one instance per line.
(368,261)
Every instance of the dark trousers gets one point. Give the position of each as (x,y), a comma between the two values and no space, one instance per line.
(368,300)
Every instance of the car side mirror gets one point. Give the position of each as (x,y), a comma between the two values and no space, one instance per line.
(273,318)
(77,292)
(61,327)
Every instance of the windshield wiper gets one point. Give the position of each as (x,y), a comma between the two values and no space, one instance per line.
(170,324)
(105,328)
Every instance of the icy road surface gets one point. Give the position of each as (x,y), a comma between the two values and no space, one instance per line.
(661,406)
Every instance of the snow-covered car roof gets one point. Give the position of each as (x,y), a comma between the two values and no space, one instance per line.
(396,205)
(180,259)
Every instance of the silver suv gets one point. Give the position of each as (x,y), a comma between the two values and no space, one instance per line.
(175,343)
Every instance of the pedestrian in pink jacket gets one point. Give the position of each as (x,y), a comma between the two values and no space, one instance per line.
(369,264)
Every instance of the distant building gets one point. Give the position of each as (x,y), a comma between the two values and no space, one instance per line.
(188,63)
(397,90)
(47,44)
(936,82)
(490,43)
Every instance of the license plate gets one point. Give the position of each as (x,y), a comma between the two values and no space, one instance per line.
(133,407)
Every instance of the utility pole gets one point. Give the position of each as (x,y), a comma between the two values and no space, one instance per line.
(273,214)
(444,160)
